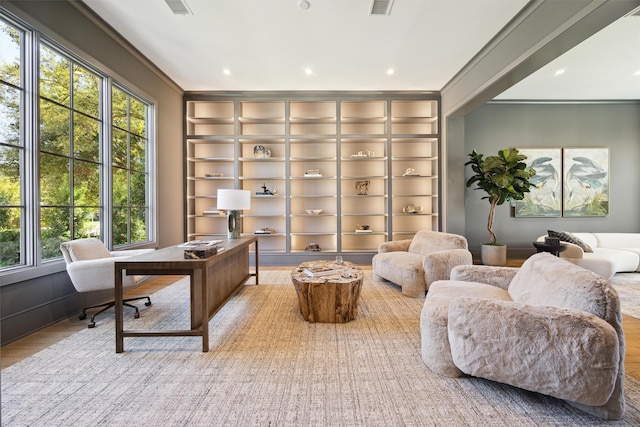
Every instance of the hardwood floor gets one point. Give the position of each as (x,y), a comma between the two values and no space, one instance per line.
(27,346)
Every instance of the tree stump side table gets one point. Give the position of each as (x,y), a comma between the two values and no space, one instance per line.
(331,298)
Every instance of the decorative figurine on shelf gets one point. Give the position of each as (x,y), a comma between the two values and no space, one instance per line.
(266,192)
(364,153)
(362,187)
(413,209)
(411,172)
(313,247)
(363,228)
(261,152)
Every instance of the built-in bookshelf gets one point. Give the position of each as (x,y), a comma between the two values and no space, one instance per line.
(329,173)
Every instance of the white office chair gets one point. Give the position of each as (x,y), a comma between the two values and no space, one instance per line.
(91,268)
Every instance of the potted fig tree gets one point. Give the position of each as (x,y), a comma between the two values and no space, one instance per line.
(504,178)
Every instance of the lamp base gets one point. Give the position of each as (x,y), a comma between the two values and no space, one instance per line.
(234,226)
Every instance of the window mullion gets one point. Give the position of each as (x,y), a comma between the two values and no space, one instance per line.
(31,135)
(107,176)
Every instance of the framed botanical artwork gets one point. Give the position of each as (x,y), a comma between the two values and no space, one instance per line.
(545,197)
(586,182)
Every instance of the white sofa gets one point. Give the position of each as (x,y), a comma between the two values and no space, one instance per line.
(612,252)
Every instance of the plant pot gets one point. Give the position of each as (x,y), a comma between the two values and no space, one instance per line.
(493,254)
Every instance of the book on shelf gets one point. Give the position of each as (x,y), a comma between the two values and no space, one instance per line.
(319,271)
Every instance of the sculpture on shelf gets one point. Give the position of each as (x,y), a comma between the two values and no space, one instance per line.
(364,153)
(261,152)
(362,187)
(266,192)
(410,172)
(413,209)
(313,247)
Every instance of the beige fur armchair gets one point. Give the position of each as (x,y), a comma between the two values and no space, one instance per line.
(414,264)
(550,327)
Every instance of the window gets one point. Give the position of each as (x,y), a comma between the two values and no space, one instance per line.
(129,171)
(75,151)
(70,152)
(12,152)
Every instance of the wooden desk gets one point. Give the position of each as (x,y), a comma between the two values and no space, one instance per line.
(213,281)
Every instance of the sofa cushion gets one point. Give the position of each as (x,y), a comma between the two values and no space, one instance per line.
(565,236)
(545,279)
(84,249)
(563,353)
(402,268)
(618,240)
(623,260)
(436,353)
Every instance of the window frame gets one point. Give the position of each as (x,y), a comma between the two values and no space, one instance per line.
(33,265)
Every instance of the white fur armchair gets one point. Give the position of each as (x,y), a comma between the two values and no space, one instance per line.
(550,327)
(414,264)
(90,266)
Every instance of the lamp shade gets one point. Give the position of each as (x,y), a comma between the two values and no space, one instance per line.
(234,200)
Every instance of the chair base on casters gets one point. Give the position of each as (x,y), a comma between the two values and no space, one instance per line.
(107,305)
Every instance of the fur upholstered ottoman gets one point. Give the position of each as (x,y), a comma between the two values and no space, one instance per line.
(550,327)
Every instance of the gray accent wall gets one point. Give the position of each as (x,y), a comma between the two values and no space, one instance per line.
(496,126)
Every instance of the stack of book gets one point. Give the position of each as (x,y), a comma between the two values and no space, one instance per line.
(319,271)
(313,172)
(199,249)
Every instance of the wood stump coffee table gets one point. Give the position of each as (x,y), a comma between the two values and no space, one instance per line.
(331,298)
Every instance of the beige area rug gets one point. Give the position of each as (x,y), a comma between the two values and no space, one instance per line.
(628,287)
(268,367)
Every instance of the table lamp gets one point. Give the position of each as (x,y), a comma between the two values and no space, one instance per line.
(233,201)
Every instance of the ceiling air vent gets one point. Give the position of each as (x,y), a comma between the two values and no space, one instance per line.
(381,7)
(179,7)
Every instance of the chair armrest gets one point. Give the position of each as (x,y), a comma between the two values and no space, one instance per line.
(92,274)
(572,251)
(568,354)
(491,275)
(394,246)
(438,265)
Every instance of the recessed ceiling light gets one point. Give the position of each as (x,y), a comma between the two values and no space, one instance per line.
(304,5)
(308,71)
(637,73)
(390,72)
(560,72)
(227,72)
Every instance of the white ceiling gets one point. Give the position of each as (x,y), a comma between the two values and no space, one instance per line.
(268,44)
